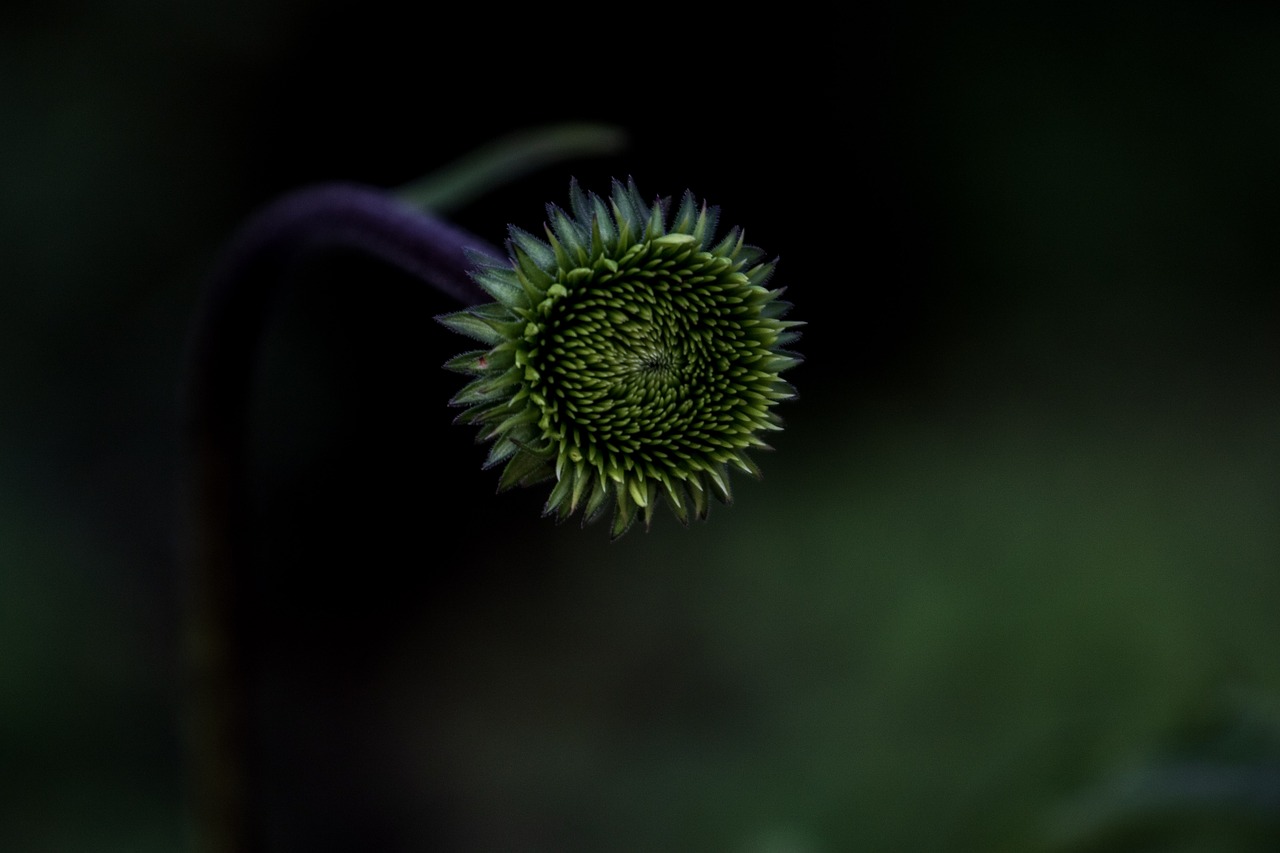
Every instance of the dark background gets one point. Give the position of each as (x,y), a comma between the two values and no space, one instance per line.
(1013,566)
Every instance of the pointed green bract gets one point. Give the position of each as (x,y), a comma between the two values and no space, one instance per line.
(633,355)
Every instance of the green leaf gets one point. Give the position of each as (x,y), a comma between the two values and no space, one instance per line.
(598,500)
(537,251)
(698,495)
(624,514)
(558,500)
(467,323)
(523,469)
(475,362)
(501,284)
(718,476)
(677,498)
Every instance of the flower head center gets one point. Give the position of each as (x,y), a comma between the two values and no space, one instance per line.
(642,359)
(657,363)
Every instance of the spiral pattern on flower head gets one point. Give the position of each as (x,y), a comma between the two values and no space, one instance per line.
(630,358)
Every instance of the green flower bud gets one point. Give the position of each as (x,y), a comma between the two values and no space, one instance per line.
(630,359)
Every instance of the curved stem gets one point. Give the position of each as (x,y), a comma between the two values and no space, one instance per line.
(224,345)
(509,158)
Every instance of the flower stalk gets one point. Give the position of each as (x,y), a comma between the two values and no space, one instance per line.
(224,346)
(632,356)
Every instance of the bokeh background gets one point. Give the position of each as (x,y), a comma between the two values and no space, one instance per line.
(1011,579)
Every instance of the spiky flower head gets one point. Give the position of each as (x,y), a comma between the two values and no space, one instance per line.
(631,356)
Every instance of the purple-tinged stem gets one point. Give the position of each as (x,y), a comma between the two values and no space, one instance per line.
(224,347)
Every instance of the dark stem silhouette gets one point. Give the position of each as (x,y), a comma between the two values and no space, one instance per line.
(229,327)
